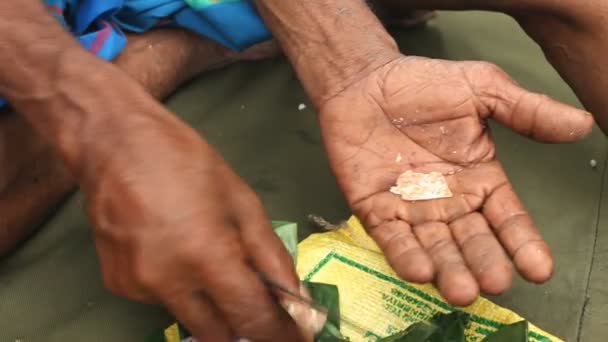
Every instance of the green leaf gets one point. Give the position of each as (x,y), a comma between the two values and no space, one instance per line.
(331,334)
(417,332)
(288,233)
(328,296)
(441,328)
(323,294)
(516,332)
(451,327)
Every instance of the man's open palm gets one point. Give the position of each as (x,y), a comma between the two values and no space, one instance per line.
(430,115)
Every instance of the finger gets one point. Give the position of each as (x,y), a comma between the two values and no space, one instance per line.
(267,251)
(518,234)
(483,253)
(255,314)
(387,206)
(270,257)
(239,293)
(403,251)
(198,314)
(534,115)
(454,280)
(115,278)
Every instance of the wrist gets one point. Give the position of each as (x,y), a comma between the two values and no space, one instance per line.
(329,78)
(330,43)
(88,108)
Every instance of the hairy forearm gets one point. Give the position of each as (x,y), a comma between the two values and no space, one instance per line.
(69,95)
(558,7)
(329,42)
(33,49)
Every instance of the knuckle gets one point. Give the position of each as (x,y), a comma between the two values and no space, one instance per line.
(194,254)
(541,99)
(496,279)
(146,278)
(191,250)
(398,241)
(258,327)
(490,69)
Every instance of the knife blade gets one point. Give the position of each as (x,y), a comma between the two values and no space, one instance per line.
(309,302)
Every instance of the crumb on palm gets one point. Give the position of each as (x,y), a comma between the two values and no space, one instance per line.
(414,186)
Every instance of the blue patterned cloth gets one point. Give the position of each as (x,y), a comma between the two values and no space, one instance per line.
(100,24)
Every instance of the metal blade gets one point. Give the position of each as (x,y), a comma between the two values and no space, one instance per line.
(312,304)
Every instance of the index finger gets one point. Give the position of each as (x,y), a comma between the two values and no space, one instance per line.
(266,250)
(240,294)
(271,258)
(199,315)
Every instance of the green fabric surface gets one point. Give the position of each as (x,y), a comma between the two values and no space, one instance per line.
(51,289)
(595,319)
(555,182)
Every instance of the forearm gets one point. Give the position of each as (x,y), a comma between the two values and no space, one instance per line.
(69,95)
(558,7)
(329,42)
(33,48)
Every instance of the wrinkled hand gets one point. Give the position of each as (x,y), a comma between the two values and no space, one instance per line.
(175,225)
(430,115)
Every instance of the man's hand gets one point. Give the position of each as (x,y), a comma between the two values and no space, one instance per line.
(174,224)
(430,115)
(382,114)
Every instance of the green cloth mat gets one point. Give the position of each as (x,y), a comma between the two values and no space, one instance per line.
(51,290)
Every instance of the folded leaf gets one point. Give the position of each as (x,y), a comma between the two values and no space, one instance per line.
(288,233)
(451,327)
(516,332)
(327,295)
(441,328)
(417,332)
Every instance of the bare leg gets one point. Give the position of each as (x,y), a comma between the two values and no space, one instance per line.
(32,179)
(578,49)
(403,19)
(572,33)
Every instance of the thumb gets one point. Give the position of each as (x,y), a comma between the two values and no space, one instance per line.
(534,115)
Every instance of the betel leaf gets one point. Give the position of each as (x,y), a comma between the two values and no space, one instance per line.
(516,332)
(417,332)
(327,296)
(451,327)
(441,328)
(326,336)
(323,294)
(288,233)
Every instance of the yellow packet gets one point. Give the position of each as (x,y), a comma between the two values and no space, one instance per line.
(374,298)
